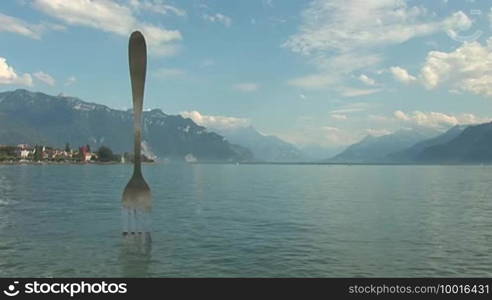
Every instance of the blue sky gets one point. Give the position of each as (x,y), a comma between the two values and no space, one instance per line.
(320,72)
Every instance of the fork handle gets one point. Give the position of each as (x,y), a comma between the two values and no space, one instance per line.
(137,56)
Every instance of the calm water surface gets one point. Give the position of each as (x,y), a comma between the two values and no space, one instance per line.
(250,220)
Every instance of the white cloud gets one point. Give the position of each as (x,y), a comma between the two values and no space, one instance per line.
(401,115)
(344,64)
(437,119)
(246,87)
(18,26)
(312,81)
(378,118)
(9,76)
(352,92)
(367,80)
(351,108)
(218,18)
(45,78)
(70,80)
(110,16)
(348,25)
(105,15)
(467,69)
(161,40)
(402,75)
(340,37)
(165,73)
(14,25)
(377,132)
(159,7)
(218,122)
(376,125)
(335,136)
(338,117)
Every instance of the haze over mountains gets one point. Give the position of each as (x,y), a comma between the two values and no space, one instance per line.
(376,149)
(413,153)
(37,118)
(472,145)
(461,144)
(264,148)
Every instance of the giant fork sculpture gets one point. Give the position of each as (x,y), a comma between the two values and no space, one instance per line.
(137,199)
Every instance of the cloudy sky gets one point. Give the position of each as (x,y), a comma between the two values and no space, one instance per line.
(323,72)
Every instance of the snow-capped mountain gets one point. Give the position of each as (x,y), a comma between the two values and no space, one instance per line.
(38,118)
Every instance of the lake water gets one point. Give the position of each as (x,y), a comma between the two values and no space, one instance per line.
(249,221)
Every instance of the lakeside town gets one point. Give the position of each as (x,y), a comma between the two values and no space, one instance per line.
(26,153)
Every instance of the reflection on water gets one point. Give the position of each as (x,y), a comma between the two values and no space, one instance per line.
(249,220)
(135,220)
(135,255)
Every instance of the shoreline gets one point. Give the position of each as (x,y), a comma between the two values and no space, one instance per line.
(42,163)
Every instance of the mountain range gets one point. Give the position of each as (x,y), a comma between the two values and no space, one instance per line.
(473,145)
(374,149)
(38,118)
(413,153)
(461,144)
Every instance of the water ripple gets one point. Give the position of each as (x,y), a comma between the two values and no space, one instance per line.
(250,221)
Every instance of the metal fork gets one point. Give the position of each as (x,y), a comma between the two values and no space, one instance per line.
(137,199)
